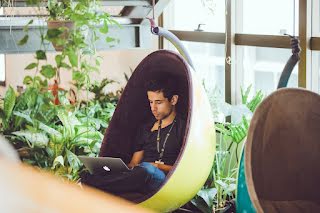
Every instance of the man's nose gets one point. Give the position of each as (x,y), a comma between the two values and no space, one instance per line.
(153,107)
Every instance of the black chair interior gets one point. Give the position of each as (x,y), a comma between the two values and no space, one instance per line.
(133,107)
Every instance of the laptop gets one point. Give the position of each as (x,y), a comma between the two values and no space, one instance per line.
(103,165)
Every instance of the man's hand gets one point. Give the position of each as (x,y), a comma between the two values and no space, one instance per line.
(165,168)
(136,159)
(155,164)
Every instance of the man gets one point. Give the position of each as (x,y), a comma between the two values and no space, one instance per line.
(158,143)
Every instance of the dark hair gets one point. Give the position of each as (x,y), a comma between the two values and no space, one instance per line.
(165,85)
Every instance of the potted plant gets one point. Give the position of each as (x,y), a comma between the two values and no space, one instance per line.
(60,20)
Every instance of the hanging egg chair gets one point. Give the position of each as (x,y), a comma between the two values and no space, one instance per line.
(278,170)
(195,160)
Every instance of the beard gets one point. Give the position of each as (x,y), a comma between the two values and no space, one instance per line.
(164,116)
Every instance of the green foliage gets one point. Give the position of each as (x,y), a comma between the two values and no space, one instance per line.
(51,136)
(48,71)
(59,10)
(41,55)
(221,184)
(23,40)
(254,102)
(78,42)
(31,66)
(48,135)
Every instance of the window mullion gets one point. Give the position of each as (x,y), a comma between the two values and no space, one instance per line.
(230,57)
(305,12)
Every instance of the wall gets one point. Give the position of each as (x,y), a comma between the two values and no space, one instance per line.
(115,64)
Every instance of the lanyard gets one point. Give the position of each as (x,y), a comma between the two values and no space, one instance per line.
(165,140)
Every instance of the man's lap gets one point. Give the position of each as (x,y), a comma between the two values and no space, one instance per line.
(142,178)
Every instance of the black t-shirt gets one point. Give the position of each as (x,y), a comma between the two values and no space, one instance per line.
(147,141)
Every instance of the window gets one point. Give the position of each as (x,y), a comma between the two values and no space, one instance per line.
(262,68)
(316,16)
(186,15)
(262,17)
(316,66)
(208,60)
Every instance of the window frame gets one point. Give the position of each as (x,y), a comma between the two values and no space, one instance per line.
(234,74)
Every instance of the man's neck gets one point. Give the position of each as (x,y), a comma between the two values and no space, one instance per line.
(169,119)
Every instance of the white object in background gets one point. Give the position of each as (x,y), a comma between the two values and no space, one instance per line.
(7,151)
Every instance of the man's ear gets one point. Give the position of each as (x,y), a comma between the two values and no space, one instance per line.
(174,99)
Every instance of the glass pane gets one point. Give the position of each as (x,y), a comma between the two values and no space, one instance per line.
(262,17)
(208,60)
(2,68)
(316,18)
(317,61)
(262,68)
(187,15)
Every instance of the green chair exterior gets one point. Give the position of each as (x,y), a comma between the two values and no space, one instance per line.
(243,201)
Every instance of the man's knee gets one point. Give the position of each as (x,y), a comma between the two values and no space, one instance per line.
(141,173)
(148,167)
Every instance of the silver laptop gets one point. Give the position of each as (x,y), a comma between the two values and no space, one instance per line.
(104,165)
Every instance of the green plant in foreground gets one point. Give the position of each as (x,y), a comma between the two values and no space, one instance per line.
(51,136)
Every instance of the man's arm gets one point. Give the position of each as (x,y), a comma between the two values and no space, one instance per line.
(136,159)
(163,167)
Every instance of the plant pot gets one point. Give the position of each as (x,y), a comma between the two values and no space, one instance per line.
(228,208)
(56,24)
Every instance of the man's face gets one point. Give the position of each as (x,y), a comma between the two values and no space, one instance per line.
(160,106)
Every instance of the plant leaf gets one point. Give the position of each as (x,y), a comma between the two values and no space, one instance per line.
(201,204)
(23,40)
(53,33)
(58,160)
(48,71)
(105,28)
(53,133)
(78,76)
(208,195)
(73,58)
(31,66)
(23,115)
(38,139)
(26,27)
(9,102)
(58,59)
(73,161)
(41,55)
(110,39)
(64,65)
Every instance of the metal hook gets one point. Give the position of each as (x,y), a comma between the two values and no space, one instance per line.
(199,28)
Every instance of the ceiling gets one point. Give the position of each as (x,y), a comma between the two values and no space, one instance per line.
(131,14)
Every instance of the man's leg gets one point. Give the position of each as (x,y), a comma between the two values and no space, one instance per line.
(157,176)
(133,181)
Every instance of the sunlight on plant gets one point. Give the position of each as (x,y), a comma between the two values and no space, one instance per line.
(219,189)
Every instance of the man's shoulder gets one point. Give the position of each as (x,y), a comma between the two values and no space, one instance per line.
(147,125)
